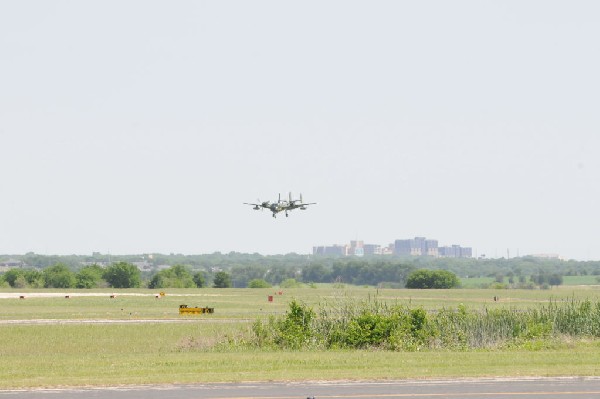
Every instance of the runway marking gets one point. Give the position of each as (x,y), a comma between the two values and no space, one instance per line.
(423,395)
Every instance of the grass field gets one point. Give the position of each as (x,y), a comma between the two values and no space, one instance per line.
(44,355)
(481,282)
(581,280)
(241,303)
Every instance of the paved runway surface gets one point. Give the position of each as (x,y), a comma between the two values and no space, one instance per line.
(531,388)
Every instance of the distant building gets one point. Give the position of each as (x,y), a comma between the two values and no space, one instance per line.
(143,265)
(466,252)
(406,248)
(431,248)
(418,246)
(10,263)
(339,250)
(356,248)
(372,249)
(456,251)
(389,250)
(100,263)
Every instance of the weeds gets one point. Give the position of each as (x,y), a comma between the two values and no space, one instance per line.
(370,324)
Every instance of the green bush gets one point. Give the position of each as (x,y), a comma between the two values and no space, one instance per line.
(222,280)
(371,324)
(258,283)
(290,283)
(59,276)
(439,279)
(89,277)
(123,275)
(293,331)
(177,276)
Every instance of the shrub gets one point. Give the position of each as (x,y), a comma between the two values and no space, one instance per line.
(89,277)
(59,276)
(123,275)
(293,331)
(371,324)
(12,276)
(177,276)
(290,283)
(424,279)
(222,280)
(258,283)
(199,279)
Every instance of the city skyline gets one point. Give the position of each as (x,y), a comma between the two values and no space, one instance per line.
(418,246)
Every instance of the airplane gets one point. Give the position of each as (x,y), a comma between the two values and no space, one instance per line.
(281,205)
(297,204)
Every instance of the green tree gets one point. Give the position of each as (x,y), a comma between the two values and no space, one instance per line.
(316,273)
(199,279)
(241,275)
(12,275)
(34,278)
(59,276)
(89,277)
(123,275)
(258,283)
(555,279)
(20,282)
(438,279)
(177,276)
(222,280)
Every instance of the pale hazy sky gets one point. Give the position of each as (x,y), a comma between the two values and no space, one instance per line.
(142,126)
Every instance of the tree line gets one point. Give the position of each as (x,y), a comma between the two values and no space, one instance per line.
(117,275)
(285,266)
(254,270)
(127,275)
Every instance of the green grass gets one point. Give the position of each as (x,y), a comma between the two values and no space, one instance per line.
(250,303)
(581,280)
(105,355)
(480,282)
(34,355)
(476,282)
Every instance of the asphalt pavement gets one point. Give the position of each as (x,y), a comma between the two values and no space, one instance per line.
(526,388)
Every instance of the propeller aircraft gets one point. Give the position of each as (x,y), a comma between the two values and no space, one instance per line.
(281,205)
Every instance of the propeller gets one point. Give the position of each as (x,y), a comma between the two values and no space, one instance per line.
(263,204)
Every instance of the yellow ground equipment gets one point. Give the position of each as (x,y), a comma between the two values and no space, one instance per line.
(183,309)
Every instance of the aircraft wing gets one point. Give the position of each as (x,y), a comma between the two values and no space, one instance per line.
(256,207)
(302,205)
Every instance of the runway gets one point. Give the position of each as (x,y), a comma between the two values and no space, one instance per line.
(486,388)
